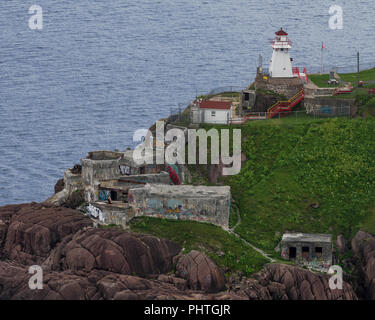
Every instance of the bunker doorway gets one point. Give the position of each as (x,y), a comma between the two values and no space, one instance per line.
(292,252)
(113,195)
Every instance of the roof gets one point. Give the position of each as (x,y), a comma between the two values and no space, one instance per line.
(306,237)
(281,32)
(222,105)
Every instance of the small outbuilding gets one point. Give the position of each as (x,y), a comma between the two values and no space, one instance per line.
(308,249)
(211,111)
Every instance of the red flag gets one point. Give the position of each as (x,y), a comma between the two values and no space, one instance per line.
(323,46)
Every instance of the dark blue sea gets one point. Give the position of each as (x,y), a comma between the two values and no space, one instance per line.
(99,70)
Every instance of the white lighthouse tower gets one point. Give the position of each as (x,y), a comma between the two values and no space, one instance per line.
(281,64)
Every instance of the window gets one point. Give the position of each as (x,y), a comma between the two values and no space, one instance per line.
(318,252)
(213,113)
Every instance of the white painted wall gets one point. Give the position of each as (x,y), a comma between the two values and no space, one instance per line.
(281,66)
(221,116)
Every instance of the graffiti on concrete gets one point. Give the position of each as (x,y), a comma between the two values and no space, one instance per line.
(326,109)
(89,196)
(285,253)
(94,212)
(125,170)
(170,208)
(104,195)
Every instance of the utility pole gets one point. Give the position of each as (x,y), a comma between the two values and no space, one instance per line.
(321,59)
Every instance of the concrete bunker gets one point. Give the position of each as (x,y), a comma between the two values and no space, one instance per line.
(183,202)
(313,250)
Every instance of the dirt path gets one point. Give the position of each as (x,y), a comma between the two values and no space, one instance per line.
(231,231)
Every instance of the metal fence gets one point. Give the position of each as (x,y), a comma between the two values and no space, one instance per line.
(295,116)
(348,68)
(181,114)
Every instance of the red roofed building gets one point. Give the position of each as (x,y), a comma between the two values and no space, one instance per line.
(213,111)
(217,105)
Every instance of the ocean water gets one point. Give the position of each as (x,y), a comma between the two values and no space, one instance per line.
(99,70)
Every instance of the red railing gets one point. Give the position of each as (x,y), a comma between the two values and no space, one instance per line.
(295,71)
(280,106)
(285,106)
(305,73)
(344,90)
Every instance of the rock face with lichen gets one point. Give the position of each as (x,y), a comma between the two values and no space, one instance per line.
(200,272)
(363,247)
(80,262)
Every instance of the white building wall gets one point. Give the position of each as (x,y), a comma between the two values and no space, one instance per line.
(281,66)
(219,116)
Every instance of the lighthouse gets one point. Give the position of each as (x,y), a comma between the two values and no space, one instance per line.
(281,63)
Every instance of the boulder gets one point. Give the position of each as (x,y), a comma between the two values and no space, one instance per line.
(59,186)
(115,250)
(200,272)
(33,230)
(341,244)
(363,246)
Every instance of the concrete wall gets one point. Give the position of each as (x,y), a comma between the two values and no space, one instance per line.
(94,171)
(72,181)
(284,86)
(104,155)
(198,203)
(250,95)
(322,262)
(99,170)
(312,91)
(111,214)
(195,116)
(328,106)
(158,178)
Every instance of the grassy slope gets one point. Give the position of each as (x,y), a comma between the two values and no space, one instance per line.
(321,79)
(291,167)
(365,75)
(226,250)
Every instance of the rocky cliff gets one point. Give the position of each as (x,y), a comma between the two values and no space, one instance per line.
(82,262)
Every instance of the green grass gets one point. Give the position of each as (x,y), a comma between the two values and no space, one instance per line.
(366,75)
(291,165)
(321,80)
(226,250)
